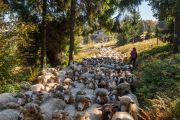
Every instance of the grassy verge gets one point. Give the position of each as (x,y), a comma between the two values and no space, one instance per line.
(159,82)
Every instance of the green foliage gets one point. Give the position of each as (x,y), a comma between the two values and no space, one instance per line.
(123,39)
(177,109)
(164,11)
(159,84)
(160,74)
(131,28)
(12,88)
(12,72)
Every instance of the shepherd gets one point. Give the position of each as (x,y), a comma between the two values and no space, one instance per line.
(133,57)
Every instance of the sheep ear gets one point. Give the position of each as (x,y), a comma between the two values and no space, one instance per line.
(119,98)
(115,106)
(66,113)
(132,102)
(99,108)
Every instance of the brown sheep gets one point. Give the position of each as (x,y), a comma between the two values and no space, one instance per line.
(102,96)
(108,111)
(32,111)
(82,102)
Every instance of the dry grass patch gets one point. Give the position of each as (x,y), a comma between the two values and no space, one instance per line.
(140,46)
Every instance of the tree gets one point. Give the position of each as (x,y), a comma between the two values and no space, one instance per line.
(176,27)
(43,44)
(72,25)
(131,28)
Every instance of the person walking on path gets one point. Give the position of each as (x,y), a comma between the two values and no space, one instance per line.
(133,57)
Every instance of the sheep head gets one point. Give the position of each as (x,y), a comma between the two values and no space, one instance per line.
(108,110)
(123,88)
(68,98)
(103,84)
(102,96)
(82,102)
(25,86)
(125,103)
(92,85)
(67,81)
(59,88)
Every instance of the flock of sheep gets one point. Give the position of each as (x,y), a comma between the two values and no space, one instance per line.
(98,88)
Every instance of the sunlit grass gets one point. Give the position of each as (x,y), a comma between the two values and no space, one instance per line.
(90,49)
(84,54)
(140,46)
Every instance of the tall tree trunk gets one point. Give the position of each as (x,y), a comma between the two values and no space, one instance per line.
(72,25)
(176,27)
(43,43)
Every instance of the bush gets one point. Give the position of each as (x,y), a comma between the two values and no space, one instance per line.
(12,88)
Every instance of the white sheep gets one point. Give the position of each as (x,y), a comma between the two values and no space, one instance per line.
(37,87)
(5,98)
(50,106)
(81,116)
(10,114)
(90,93)
(129,103)
(78,87)
(61,76)
(70,109)
(122,116)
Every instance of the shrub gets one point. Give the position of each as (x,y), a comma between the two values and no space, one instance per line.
(13,88)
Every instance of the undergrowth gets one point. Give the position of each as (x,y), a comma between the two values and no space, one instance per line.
(159,82)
